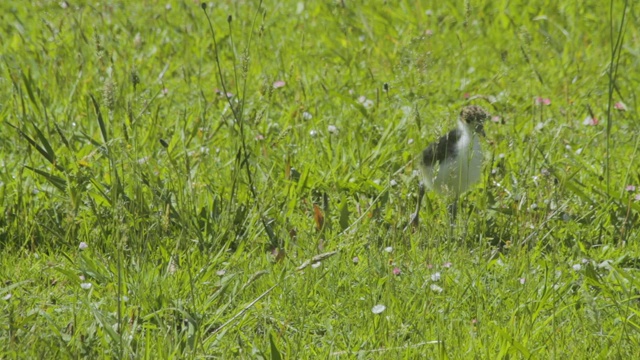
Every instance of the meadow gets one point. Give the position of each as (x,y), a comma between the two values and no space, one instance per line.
(235,180)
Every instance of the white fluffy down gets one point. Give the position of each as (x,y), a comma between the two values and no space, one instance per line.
(455,175)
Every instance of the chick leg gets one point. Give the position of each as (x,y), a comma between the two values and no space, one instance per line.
(415,217)
(453,211)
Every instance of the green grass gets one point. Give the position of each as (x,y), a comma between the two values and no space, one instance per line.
(270,225)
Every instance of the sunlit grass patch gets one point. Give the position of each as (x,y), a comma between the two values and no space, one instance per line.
(170,189)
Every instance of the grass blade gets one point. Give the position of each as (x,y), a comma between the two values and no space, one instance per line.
(103,128)
(56,181)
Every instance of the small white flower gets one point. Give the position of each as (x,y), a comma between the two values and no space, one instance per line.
(332,129)
(143,160)
(7,297)
(393,183)
(410,141)
(605,265)
(365,102)
(388,249)
(83,246)
(221,272)
(577,267)
(378,309)
(436,276)
(85,286)
(313,133)
(522,281)
(589,121)
(307,115)
(436,288)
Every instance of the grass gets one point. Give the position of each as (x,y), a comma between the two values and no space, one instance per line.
(145,214)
